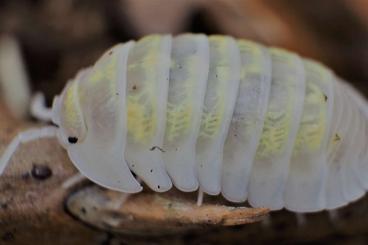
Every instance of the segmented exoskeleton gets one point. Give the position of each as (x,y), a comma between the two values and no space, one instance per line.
(224,115)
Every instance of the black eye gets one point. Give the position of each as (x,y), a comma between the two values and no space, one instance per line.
(73,140)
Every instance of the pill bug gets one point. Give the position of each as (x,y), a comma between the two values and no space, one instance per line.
(217,114)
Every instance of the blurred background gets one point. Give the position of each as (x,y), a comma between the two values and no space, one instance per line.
(59,37)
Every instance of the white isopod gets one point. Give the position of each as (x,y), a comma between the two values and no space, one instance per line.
(216,114)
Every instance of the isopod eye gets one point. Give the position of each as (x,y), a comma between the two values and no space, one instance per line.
(70,117)
(72,140)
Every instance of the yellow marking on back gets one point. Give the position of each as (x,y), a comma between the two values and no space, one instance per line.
(275,133)
(105,73)
(72,120)
(255,66)
(179,114)
(101,77)
(70,110)
(141,99)
(178,121)
(213,115)
(313,124)
(278,118)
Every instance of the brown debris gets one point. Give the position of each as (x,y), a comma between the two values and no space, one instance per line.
(153,213)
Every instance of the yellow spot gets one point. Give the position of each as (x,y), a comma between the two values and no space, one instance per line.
(313,124)
(140,123)
(280,112)
(213,113)
(178,121)
(275,134)
(142,89)
(71,115)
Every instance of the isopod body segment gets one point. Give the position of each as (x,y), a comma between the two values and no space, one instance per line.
(221,114)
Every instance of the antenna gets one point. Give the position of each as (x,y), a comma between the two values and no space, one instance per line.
(39,109)
(24,137)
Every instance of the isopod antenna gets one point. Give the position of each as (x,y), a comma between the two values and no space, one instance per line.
(39,111)
(24,137)
(38,108)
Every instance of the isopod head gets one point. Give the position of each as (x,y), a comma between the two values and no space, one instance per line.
(67,114)
(88,106)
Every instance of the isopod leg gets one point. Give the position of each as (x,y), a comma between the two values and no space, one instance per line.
(266,222)
(72,181)
(200,197)
(301,219)
(24,137)
(333,215)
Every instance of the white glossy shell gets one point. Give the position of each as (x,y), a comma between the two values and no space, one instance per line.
(224,115)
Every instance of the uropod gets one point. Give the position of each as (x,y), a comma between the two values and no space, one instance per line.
(214,114)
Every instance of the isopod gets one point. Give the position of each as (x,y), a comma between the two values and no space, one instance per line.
(215,114)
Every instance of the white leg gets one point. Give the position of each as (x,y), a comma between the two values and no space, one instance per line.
(24,137)
(301,219)
(119,202)
(72,181)
(39,109)
(77,178)
(333,215)
(266,221)
(200,197)
(123,197)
